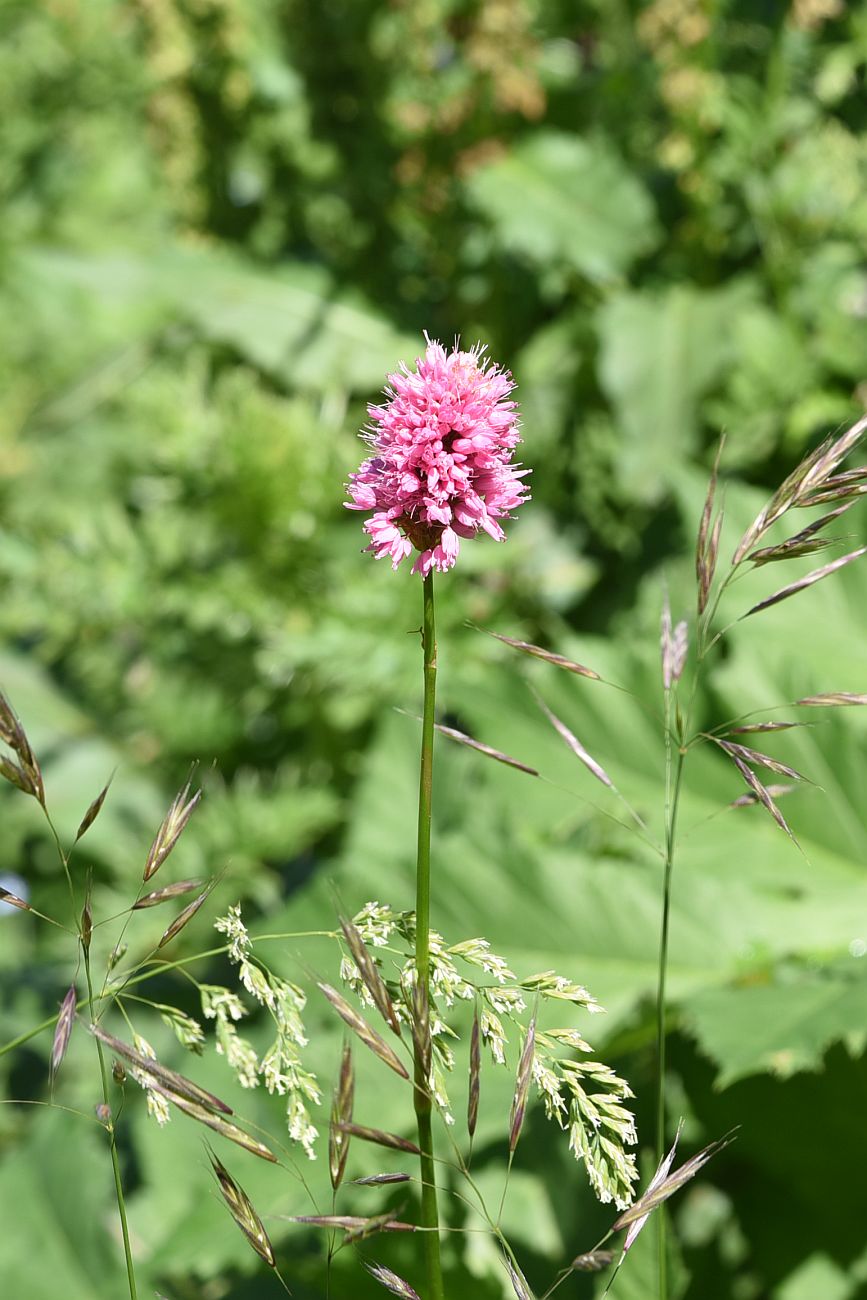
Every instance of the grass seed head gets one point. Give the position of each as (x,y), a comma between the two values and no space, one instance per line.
(63,1031)
(242,1211)
(174,822)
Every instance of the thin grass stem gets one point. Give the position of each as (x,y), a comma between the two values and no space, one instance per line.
(422,1099)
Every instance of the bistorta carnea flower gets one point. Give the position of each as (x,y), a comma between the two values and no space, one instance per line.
(441,468)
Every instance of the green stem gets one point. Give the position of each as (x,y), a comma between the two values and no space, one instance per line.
(423,1103)
(672,804)
(115,1162)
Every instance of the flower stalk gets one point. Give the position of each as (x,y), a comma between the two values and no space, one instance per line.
(423,1101)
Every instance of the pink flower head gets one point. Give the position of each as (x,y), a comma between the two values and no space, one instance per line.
(441,467)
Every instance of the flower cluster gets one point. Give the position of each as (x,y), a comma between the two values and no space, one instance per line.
(441,468)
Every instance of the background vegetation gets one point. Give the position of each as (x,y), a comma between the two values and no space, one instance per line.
(222,222)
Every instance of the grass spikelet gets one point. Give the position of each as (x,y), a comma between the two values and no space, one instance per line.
(6,896)
(522,1086)
(28,777)
(376,1223)
(674,645)
(421,1035)
(763,795)
(663,1185)
(538,652)
(707,541)
(756,759)
(341,1113)
(63,1030)
(463,739)
(754,727)
(216,1122)
(575,745)
(354,1223)
(369,972)
(519,1283)
(183,918)
(379,1180)
(475,1076)
(749,799)
(93,811)
(365,1032)
(170,831)
(166,894)
(242,1211)
(396,1285)
(169,1079)
(592,1261)
(380,1138)
(803,583)
(831,700)
(85,925)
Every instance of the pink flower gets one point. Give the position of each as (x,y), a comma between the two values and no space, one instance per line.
(441,468)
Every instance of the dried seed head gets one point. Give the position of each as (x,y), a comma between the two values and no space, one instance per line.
(376,1223)
(85,928)
(663,1185)
(519,1282)
(161,1074)
(396,1285)
(369,972)
(832,699)
(707,542)
(216,1122)
(183,918)
(755,759)
(242,1211)
(559,661)
(28,776)
(592,1261)
(118,1072)
(17,776)
(171,829)
(498,755)
(475,1076)
(575,745)
(103,1113)
(65,1021)
(166,894)
(378,1180)
(749,799)
(93,811)
(762,794)
(766,726)
(380,1138)
(522,1086)
(341,1113)
(421,1033)
(365,1032)
(674,646)
(801,585)
(13,900)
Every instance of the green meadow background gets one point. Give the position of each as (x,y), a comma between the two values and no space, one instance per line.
(223,221)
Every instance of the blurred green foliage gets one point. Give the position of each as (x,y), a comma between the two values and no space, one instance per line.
(223,222)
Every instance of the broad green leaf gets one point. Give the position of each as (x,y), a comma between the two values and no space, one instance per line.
(660,353)
(556,198)
(782,1027)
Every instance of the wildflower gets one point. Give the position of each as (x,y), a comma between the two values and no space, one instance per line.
(441,468)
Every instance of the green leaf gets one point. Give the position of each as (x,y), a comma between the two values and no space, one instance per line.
(660,353)
(557,198)
(782,1027)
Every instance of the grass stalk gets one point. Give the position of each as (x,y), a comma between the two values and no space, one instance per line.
(115,1162)
(423,1102)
